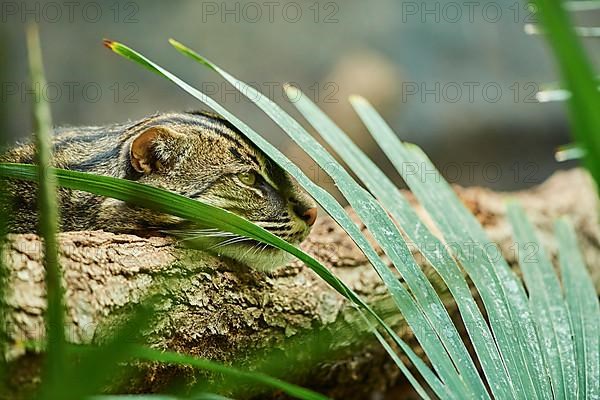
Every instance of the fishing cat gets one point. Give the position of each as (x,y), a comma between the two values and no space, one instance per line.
(196,154)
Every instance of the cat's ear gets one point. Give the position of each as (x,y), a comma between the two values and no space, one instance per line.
(152,147)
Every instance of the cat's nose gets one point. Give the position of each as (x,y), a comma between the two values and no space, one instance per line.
(308,215)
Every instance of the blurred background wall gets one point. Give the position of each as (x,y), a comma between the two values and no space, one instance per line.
(458,78)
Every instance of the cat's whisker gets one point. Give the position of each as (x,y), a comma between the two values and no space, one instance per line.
(248,251)
(208,231)
(225,234)
(257,249)
(187,236)
(229,242)
(263,248)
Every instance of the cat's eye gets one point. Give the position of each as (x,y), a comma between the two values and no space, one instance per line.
(247,178)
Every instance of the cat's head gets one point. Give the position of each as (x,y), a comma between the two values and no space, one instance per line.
(202,156)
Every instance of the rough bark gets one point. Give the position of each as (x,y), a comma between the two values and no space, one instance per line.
(221,311)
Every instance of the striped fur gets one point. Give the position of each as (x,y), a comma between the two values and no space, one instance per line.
(204,161)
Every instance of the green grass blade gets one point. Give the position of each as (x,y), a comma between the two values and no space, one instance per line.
(48,221)
(424,325)
(148,354)
(547,305)
(329,204)
(579,79)
(501,291)
(430,246)
(583,309)
(166,357)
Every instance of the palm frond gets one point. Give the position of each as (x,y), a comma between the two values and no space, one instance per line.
(501,292)
(583,310)
(547,305)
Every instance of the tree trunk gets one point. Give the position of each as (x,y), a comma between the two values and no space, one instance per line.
(224,312)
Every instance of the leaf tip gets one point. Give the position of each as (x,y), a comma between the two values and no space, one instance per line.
(32,29)
(356,99)
(175,43)
(291,91)
(192,54)
(109,44)
(413,147)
